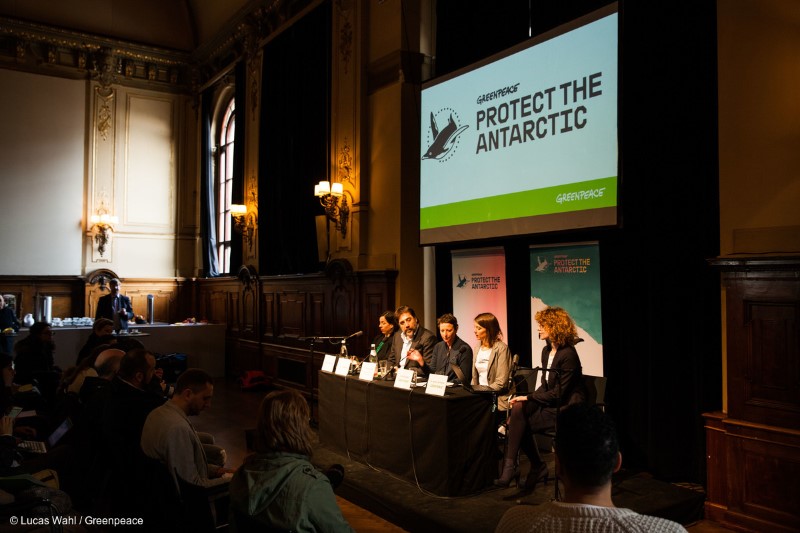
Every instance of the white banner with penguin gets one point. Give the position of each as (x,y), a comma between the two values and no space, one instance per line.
(479,286)
(568,276)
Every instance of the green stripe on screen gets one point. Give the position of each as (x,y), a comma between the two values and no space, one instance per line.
(522,204)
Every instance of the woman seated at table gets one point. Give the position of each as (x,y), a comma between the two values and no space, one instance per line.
(102,333)
(452,357)
(492,359)
(387,323)
(536,412)
(277,488)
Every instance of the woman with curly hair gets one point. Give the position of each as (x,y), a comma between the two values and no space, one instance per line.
(562,385)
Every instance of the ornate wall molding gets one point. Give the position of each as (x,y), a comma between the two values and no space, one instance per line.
(54,51)
(51,51)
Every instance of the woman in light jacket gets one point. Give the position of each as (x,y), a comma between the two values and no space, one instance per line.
(491,361)
(277,488)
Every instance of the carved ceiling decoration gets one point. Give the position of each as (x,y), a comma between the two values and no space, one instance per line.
(43,49)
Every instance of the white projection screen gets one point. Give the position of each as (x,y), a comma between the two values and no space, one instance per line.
(526,141)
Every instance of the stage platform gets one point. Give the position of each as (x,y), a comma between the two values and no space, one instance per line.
(405,505)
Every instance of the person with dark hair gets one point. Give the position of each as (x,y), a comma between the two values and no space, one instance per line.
(562,385)
(115,306)
(587,454)
(387,323)
(277,488)
(102,333)
(8,325)
(108,431)
(452,357)
(491,362)
(169,436)
(412,346)
(35,354)
(106,365)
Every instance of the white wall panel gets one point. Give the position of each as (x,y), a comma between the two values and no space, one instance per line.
(149,167)
(42,161)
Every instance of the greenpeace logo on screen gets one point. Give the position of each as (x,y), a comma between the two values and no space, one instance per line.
(442,143)
(577,196)
(497,93)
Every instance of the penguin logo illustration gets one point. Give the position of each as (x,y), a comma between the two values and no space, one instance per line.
(542,264)
(461,282)
(444,140)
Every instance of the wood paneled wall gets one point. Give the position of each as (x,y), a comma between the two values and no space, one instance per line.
(753,450)
(66,291)
(272,319)
(76,296)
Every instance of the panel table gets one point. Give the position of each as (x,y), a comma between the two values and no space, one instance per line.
(447,445)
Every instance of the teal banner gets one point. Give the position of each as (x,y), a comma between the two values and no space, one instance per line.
(568,276)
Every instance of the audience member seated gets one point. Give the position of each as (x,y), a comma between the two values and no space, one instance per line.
(277,488)
(8,320)
(387,323)
(587,454)
(169,436)
(106,366)
(536,412)
(102,333)
(452,357)
(412,346)
(491,362)
(112,441)
(29,427)
(34,360)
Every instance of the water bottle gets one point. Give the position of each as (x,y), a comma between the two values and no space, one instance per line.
(373,355)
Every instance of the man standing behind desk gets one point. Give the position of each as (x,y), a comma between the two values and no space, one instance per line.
(412,346)
(115,306)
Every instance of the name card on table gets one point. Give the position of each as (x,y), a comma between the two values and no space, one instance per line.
(342,366)
(436,385)
(367,371)
(328,363)
(404,379)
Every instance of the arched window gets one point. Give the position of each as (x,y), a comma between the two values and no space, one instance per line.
(225,147)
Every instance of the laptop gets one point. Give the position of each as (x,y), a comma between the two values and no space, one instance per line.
(37,446)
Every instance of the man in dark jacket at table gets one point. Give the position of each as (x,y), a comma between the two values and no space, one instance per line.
(412,346)
(115,306)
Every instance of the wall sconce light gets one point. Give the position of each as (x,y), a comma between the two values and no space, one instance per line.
(102,226)
(329,194)
(243,223)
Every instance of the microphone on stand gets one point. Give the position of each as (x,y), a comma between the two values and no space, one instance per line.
(356,334)
(401,364)
(454,356)
(454,364)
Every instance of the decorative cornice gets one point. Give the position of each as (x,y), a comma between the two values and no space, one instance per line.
(42,49)
(54,51)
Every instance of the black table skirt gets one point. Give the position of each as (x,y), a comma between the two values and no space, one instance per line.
(446,444)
